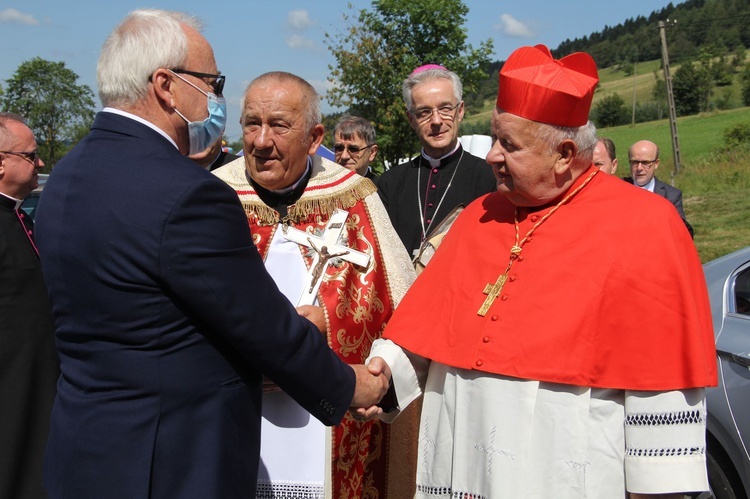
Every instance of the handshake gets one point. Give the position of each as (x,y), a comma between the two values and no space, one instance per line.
(373,381)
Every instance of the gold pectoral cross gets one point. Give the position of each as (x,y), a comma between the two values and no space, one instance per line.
(492,291)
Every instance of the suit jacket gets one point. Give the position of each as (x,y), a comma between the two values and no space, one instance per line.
(673,195)
(165,321)
(28,361)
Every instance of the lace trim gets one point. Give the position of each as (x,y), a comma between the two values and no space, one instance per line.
(447,492)
(282,490)
(677,452)
(666,419)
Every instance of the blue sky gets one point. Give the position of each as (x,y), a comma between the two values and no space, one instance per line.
(251,37)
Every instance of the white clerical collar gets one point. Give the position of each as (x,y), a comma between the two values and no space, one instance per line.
(436,162)
(650,186)
(139,120)
(287,190)
(18,202)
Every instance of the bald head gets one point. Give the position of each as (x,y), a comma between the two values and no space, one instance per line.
(643,157)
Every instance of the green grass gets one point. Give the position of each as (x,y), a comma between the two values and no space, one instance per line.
(715,185)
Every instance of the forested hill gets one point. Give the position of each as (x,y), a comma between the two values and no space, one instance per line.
(702,28)
(719,25)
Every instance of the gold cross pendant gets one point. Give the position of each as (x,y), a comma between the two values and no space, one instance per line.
(492,291)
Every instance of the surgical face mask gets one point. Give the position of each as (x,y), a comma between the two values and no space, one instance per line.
(202,134)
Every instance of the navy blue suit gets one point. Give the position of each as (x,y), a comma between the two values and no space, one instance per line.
(165,319)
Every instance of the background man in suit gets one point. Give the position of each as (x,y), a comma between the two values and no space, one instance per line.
(643,157)
(605,157)
(166,319)
(28,361)
(354,145)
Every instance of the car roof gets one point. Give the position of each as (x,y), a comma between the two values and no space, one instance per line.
(42,180)
(717,273)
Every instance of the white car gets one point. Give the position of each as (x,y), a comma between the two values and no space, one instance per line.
(728,437)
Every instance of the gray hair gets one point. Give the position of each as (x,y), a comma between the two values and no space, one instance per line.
(146,40)
(6,136)
(311,98)
(583,136)
(431,74)
(349,126)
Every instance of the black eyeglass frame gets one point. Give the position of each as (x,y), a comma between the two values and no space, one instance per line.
(30,155)
(353,150)
(646,164)
(218,80)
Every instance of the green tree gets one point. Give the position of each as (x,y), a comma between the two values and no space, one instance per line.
(379,49)
(610,111)
(691,86)
(56,108)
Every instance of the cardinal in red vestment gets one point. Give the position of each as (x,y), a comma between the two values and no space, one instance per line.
(562,339)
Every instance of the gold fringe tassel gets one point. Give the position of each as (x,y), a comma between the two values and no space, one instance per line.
(307,209)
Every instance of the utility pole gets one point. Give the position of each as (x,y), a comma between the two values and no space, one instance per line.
(670,98)
(635,71)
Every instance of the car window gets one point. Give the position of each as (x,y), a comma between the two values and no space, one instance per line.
(29,204)
(742,292)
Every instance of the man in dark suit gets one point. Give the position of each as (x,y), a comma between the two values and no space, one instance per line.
(354,145)
(28,361)
(643,157)
(166,319)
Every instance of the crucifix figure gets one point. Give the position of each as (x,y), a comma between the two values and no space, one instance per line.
(326,246)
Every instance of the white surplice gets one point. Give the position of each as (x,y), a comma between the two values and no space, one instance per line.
(293,443)
(492,436)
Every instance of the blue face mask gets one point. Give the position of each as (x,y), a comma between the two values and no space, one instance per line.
(203,134)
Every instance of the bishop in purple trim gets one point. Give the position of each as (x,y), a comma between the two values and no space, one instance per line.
(28,360)
(418,194)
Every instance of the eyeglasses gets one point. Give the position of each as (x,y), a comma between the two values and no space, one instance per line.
(425,113)
(353,150)
(29,155)
(646,164)
(217,82)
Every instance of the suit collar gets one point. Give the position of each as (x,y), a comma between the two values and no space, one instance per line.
(122,124)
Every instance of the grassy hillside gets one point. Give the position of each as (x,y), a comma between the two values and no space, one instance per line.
(715,185)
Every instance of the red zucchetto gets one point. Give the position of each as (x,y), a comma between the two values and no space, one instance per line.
(537,87)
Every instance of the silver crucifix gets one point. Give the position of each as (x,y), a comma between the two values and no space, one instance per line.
(326,247)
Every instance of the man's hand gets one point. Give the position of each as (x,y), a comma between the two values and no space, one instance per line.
(314,314)
(369,389)
(379,366)
(378,369)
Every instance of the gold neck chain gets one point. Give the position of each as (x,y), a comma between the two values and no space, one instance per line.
(493,290)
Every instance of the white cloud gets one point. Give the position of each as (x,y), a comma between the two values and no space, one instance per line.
(12,16)
(321,86)
(299,19)
(511,26)
(300,42)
